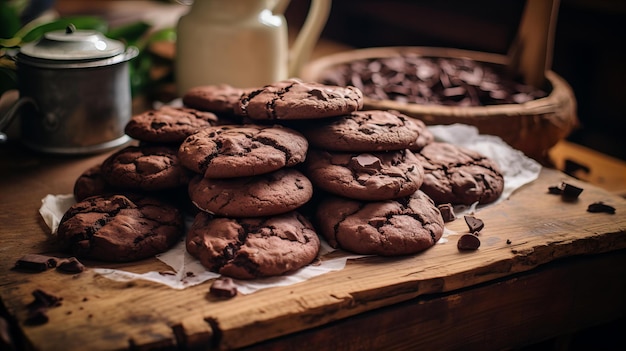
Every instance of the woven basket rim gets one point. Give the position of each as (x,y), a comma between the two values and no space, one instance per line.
(560,97)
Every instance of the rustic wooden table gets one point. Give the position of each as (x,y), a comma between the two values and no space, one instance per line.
(545,268)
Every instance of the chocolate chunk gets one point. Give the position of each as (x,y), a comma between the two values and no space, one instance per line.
(43,299)
(474,224)
(468,242)
(35,262)
(223,287)
(37,309)
(37,316)
(555,190)
(570,192)
(600,206)
(447,212)
(71,265)
(365,163)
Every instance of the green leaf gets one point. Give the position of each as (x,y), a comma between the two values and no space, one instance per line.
(9,20)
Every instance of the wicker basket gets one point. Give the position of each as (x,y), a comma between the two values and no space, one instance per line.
(532,127)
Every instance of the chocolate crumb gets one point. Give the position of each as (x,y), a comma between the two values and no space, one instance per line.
(36,262)
(447,212)
(600,206)
(468,242)
(474,224)
(70,265)
(223,287)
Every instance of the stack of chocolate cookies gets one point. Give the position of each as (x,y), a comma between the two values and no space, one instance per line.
(364,162)
(248,184)
(263,172)
(128,207)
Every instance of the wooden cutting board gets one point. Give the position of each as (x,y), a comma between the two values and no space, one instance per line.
(528,230)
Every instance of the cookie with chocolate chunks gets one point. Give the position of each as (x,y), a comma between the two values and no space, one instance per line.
(293,99)
(363,131)
(242,150)
(147,167)
(365,176)
(118,228)
(262,195)
(456,175)
(168,124)
(248,248)
(388,228)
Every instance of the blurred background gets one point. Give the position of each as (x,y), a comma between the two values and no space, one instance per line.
(588,52)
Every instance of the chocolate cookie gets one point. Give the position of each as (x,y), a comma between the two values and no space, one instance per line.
(293,99)
(120,229)
(168,124)
(363,131)
(90,183)
(248,248)
(425,136)
(239,151)
(146,167)
(261,195)
(365,176)
(388,228)
(456,175)
(220,98)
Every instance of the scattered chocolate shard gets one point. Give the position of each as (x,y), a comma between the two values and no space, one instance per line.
(36,262)
(468,242)
(37,316)
(37,309)
(447,212)
(223,287)
(43,299)
(598,207)
(474,224)
(570,192)
(70,265)
(555,190)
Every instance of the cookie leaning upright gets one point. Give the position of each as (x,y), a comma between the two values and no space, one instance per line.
(293,99)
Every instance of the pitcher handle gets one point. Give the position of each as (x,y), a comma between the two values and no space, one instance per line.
(11,114)
(308,36)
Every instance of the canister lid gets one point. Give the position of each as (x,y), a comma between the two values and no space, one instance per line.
(73,44)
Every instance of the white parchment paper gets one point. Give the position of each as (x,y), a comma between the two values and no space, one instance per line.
(187,271)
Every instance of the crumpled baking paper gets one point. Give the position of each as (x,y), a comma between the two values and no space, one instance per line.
(187,271)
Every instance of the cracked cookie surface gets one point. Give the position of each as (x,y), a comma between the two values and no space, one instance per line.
(363,131)
(293,99)
(365,176)
(238,151)
(168,124)
(388,228)
(262,195)
(248,248)
(146,167)
(120,228)
(456,175)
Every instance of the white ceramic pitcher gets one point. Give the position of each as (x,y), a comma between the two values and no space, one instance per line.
(242,42)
